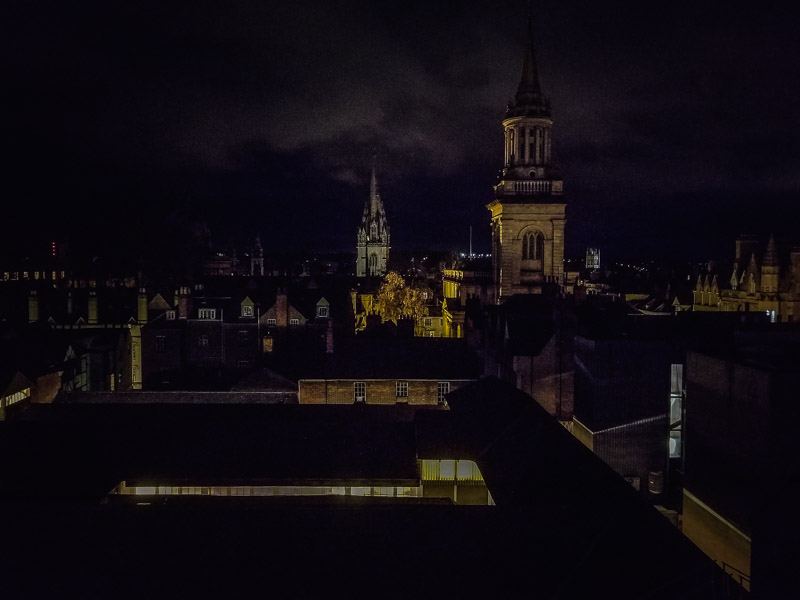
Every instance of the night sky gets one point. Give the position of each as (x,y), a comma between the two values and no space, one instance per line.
(676,125)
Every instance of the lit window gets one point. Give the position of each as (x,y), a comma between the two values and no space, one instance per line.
(271,322)
(207,313)
(202,340)
(442,390)
(161,343)
(674,444)
(447,469)
(468,470)
(401,389)
(322,312)
(294,322)
(17,397)
(247,310)
(360,391)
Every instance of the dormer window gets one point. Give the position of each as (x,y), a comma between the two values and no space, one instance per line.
(247,310)
(207,313)
(322,312)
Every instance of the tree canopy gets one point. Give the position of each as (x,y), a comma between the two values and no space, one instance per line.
(395,300)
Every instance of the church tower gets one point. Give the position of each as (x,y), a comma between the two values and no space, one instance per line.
(257,259)
(529,209)
(372,248)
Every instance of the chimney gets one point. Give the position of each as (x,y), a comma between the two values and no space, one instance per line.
(141,306)
(281,309)
(92,306)
(329,337)
(33,306)
(183,302)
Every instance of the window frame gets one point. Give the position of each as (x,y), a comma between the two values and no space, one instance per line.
(360,392)
(442,389)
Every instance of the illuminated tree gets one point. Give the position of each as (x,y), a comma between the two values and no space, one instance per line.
(395,300)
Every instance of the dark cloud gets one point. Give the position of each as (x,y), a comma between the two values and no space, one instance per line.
(263,116)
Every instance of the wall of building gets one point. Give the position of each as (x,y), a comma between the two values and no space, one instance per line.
(380,391)
(720,539)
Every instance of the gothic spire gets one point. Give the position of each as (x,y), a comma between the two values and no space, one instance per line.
(529,99)
(374,196)
(529,82)
(771,255)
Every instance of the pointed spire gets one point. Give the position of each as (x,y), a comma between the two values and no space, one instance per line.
(374,195)
(529,99)
(529,82)
(373,184)
(771,255)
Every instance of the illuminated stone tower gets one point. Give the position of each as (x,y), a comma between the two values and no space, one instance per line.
(528,212)
(372,248)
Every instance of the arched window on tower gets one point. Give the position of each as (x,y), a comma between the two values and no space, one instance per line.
(373,264)
(373,231)
(532,144)
(533,246)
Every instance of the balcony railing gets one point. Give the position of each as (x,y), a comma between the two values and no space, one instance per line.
(532,187)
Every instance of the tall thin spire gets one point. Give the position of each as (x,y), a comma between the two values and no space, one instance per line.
(529,86)
(529,99)
(374,196)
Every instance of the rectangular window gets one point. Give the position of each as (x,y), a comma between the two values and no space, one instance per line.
(442,390)
(242,336)
(675,393)
(294,322)
(360,391)
(271,322)
(202,340)
(247,310)
(170,315)
(244,364)
(322,312)
(207,313)
(401,389)
(427,322)
(161,343)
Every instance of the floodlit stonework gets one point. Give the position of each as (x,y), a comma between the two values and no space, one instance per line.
(529,209)
(372,248)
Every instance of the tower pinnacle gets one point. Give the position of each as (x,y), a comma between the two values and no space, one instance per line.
(529,99)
